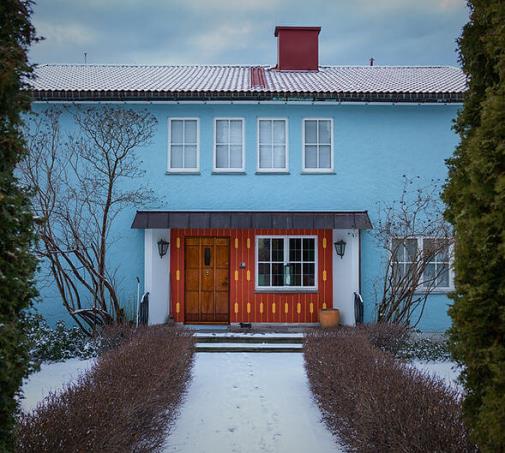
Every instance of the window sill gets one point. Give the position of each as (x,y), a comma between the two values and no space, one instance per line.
(176,172)
(316,173)
(285,290)
(230,172)
(443,292)
(273,172)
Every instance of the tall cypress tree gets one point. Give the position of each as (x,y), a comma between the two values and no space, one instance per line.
(475,195)
(16,262)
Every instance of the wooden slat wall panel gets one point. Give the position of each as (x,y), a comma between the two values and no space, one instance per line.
(247,305)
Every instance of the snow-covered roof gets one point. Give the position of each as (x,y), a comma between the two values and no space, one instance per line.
(59,80)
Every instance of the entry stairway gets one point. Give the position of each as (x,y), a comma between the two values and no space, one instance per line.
(249,342)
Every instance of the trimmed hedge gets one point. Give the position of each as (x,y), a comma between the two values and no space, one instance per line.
(127,401)
(376,403)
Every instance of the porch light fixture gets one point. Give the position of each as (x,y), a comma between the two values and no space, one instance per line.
(163,247)
(340,248)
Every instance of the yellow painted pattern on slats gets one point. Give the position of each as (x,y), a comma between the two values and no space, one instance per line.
(236,307)
(261,307)
(178,243)
(273,308)
(248,307)
(177,307)
(177,274)
(248,243)
(324,243)
(236,276)
(236,243)
(248,275)
(324,276)
(286,308)
(311,308)
(298,307)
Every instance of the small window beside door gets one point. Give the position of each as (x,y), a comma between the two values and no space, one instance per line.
(229,145)
(183,145)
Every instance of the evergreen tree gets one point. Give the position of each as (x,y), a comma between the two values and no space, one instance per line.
(16,262)
(475,195)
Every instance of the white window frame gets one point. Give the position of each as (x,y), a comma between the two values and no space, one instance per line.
(286,238)
(332,165)
(420,248)
(171,169)
(259,169)
(214,152)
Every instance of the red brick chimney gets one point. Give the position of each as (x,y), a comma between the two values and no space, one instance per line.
(297,48)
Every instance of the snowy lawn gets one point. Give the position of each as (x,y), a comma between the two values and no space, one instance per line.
(447,370)
(250,402)
(50,378)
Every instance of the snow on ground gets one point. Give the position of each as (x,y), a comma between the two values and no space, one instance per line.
(447,370)
(50,378)
(250,345)
(250,402)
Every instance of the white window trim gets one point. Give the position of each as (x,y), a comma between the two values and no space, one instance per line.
(271,170)
(284,289)
(318,170)
(420,246)
(214,151)
(171,169)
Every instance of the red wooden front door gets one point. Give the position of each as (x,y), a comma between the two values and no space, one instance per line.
(207,270)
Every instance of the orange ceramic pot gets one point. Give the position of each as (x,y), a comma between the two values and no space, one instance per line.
(329,318)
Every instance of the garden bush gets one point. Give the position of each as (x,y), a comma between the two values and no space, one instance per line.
(126,402)
(377,403)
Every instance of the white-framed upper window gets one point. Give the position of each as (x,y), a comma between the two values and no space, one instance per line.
(438,274)
(317,146)
(183,145)
(272,145)
(286,263)
(229,146)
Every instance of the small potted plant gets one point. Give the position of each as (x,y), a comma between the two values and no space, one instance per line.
(329,317)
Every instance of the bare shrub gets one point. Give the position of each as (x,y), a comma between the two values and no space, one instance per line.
(127,402)
(376,403)
(387,337)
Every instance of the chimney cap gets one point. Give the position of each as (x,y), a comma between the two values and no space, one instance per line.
(286,27)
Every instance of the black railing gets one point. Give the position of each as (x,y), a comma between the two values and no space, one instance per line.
(358,308)
(144,310)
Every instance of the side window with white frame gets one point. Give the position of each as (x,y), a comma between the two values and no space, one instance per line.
(286,262)
(229,145)
(318,145)
(433,254)
(183,145)
(272,145)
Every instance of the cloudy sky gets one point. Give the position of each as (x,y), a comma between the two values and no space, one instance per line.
(404,32)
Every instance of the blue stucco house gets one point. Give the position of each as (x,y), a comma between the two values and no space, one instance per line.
(263,171)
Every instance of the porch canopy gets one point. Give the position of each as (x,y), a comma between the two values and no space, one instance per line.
(253,219)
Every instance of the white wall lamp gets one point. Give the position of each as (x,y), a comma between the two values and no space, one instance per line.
(163,247)
(340,248)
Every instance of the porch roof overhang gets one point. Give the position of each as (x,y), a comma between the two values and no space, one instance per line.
(253,219)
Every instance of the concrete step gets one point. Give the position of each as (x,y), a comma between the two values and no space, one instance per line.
(248,347)
(252,339)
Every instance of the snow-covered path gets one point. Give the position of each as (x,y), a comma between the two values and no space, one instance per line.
(250,403)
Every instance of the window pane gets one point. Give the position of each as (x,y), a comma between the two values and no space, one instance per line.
(311,156)
(265,132)
(190,132)
(263,274)
(325,132)
(222,131)
(397,249)
(429,275)
(295,249)
(176,156)
(279,132)
(443,276)
(277,274)
(294,272)
(265,156)
(308,249)
(236,132)
(263,249)
(278,249)
(411,250)
(308,274)
(279,156)
(190,160)
(176,132)
(311,131)
(325,156)
(222,156)
(235,156)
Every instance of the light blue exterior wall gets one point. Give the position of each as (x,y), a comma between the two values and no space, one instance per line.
(374,145)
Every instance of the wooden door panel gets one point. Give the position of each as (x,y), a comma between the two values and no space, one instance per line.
(207,279)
